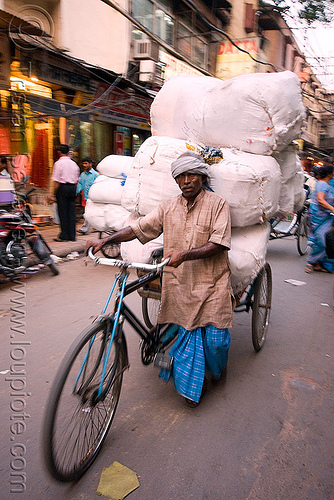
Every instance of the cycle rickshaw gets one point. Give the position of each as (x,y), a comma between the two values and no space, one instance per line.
(296,225)
(85,393)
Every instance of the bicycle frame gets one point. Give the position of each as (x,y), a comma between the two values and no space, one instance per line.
(292,229)
(123,312)
(246,304)
(122,309)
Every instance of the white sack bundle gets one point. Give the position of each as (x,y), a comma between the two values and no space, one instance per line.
(134,251)
(105,216)
(288,161)
(115,165)
(292,193)
(250,184)
(299,191)
(106,190)
(149,180)
(257,113)
(248,254)
(286,198)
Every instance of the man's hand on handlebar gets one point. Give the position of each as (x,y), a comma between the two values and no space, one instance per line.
(176,258)
(125,234)
(95,244)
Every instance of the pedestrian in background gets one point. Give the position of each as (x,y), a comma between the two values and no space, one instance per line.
(65,176)
(331,183)
(321,219)
(86,179)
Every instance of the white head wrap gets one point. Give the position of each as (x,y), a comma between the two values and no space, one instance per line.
(189,162)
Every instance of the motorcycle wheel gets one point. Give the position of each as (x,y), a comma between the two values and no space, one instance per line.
(54,269)
(40,248)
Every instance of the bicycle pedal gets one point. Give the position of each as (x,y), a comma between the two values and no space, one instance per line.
(163,360)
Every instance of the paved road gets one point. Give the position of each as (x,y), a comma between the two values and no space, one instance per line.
(265,434)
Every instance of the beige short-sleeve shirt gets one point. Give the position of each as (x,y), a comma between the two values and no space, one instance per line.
(198,292)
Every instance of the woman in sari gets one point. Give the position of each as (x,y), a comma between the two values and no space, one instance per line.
(321,220)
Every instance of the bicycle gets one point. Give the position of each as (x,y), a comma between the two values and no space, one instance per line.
(86,390)
(297,226)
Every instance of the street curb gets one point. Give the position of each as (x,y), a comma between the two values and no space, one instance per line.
(62,248)
(65,250)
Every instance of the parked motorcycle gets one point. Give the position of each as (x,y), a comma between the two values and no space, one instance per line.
(20,239)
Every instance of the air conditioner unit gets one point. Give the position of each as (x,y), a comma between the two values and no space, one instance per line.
(146,49)
(147,69)
(151,72)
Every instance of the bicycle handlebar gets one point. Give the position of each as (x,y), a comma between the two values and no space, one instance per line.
(122,263)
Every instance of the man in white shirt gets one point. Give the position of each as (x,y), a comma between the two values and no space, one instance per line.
(65,176)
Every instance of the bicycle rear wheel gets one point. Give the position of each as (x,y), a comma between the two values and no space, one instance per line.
(261,306)
(302,234)
(77,421)
(150,310)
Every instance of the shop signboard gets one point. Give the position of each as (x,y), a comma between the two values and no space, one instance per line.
(174,66)
(49,67)
(234,62)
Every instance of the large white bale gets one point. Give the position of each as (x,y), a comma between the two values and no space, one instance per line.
(250,184)
(248,254)
(105,216)
(115,165)
(288,161)
(286,198)
(257,113)
(134,251)
(292,193)
(149,180)
(299,190)
(106,190)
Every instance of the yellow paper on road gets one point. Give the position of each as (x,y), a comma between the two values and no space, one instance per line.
(117,481)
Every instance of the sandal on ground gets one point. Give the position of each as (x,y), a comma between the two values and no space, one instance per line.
(194,404)
(191,403)
(309,268)
(320,269)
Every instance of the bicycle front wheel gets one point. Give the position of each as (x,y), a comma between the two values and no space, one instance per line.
(261,306)
(77,419)
(302,234)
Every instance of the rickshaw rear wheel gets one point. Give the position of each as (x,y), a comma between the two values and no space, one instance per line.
(261,306)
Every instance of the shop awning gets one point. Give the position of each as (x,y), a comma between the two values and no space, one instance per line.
(52,107)
(14,24)
(43,107)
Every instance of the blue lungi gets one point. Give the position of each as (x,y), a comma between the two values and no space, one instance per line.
(193,351)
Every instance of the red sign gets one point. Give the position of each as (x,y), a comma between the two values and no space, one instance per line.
(119,143)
